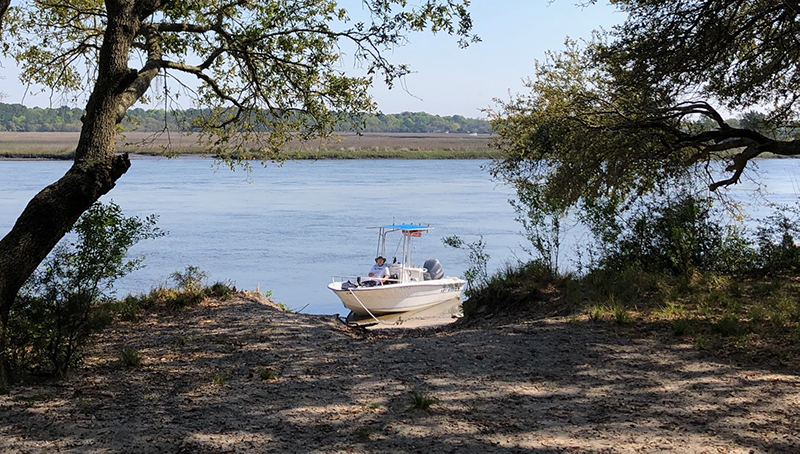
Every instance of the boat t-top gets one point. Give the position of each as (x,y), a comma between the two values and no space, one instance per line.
(408,287)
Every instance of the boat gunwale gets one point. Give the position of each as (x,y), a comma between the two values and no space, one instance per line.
(429,283)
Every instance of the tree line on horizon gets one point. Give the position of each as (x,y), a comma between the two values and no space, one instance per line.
(19,118)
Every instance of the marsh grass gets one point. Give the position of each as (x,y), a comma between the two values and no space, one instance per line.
(343,146)
(407,153)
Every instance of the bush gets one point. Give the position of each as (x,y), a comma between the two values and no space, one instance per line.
(775,237)
(191,280)
(190,290)
(64,301)
(679,235)
(512,289)
(477,275)
(682,233)
(221,291)
(421,401)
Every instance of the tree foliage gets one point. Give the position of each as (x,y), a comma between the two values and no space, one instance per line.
(259,65)
(638,106)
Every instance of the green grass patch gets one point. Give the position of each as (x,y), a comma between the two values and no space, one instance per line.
(421,401)
(267,374)
(130,358)
(218,380)
(189,291)
(339,146)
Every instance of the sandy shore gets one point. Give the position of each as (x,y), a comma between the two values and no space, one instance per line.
(243,376)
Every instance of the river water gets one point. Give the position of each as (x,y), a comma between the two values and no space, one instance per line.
(287,229)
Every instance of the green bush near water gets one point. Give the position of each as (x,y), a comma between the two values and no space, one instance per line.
(675,264)
(190,289)
(69,296)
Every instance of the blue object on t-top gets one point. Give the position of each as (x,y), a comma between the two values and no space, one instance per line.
(407,227)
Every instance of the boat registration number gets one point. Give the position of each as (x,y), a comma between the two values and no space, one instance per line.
(449,288)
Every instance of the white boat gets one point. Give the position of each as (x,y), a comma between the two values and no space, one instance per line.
(408,288)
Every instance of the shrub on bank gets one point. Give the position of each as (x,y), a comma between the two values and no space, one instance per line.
(677,265)
(190,289)
(67,298)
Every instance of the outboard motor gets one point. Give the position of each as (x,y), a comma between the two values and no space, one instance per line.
(433,270)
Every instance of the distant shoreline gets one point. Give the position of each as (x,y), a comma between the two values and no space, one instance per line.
(60,146)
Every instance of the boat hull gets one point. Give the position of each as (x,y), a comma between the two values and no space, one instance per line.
(403,297)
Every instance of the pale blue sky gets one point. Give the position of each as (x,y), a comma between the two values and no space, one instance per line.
(449,80)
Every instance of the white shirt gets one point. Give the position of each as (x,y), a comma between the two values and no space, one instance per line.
(380,271)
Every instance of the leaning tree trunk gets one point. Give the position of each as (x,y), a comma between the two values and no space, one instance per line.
(4,4)
(53,212)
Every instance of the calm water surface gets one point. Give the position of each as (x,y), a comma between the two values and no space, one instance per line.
(288,229)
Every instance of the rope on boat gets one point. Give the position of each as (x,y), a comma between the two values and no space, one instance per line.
(368,312)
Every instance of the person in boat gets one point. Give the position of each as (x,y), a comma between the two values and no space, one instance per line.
(379,271)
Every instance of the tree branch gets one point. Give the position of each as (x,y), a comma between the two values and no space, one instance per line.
(138,85)
(739,163)
(183,27)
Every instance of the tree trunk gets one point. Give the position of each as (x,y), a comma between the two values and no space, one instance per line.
(53,212)
(3,8)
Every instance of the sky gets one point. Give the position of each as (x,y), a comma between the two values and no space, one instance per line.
(448,80)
